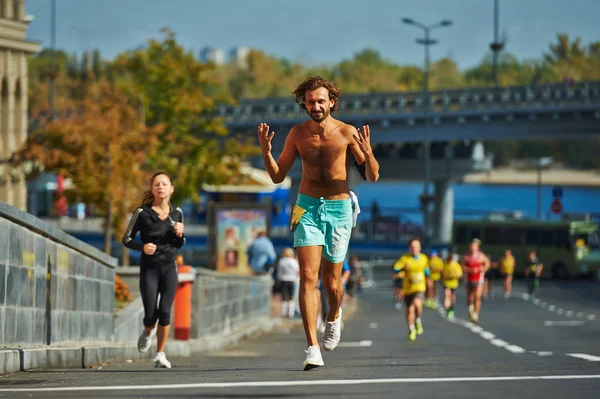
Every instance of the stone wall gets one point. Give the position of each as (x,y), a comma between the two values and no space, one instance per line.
(53,287)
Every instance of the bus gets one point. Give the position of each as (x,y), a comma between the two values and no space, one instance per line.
(567,249)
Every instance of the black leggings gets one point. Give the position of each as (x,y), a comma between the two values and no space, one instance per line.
(153,281)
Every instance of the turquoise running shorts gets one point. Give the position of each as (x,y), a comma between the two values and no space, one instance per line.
(327,223)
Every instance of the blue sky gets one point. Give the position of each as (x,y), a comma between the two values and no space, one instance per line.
(316,32)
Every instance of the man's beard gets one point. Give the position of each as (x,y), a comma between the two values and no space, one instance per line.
(321,117)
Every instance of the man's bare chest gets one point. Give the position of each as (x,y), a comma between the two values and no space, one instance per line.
(321,151)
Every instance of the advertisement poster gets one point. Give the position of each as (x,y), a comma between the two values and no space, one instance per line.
(235,231)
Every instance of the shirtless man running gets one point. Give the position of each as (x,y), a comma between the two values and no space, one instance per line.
(322,217)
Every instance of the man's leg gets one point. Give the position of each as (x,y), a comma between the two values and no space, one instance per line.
(411,316)
(331,274)
(447,299)
(309,259)
(332,282)
(418,304)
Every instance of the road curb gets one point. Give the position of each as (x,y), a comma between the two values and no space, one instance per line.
(94,354)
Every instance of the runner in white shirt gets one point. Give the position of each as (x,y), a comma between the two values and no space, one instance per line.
(288,271)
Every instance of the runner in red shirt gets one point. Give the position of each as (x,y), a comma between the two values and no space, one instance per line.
(475,264)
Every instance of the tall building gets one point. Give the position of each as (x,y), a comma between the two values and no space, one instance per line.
(14,50)
(239,57)
(211,54)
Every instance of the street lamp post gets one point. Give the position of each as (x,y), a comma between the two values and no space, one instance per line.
(426,41)
(540,164)
(53,71)
(496,46)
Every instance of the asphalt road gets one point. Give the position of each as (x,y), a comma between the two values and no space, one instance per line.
(520,349)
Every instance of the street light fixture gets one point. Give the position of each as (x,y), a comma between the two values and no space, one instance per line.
(426,41)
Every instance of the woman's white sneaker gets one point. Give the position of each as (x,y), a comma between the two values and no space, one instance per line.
(160,360)
(313,358)
(145,340)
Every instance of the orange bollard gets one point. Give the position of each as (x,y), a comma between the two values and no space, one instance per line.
(183,307)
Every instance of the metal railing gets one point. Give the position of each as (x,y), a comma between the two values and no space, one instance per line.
(583,95)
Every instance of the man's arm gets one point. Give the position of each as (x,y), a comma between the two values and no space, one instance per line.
(360,145)
(279,169)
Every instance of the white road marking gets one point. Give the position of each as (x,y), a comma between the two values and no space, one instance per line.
(373,325)
(544,353)
(585,357)
(264,384)
(514,349)
(358,344)
(489,336)
(568,323)
(476,329)
(499,343)
(552,308)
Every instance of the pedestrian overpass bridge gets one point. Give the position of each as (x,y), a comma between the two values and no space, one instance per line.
(519,112)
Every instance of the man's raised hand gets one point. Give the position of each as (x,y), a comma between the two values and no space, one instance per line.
(264,138)
(363,138)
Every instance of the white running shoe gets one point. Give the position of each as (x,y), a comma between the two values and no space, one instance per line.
(333,332)
(160,360)
(313,358)
(321,328)
(145,340)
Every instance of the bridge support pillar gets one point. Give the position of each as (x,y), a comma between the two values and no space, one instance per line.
(443,211)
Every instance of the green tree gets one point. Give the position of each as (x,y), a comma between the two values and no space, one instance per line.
(177,91)
(103,148)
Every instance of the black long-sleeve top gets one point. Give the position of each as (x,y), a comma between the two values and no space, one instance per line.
(156,231)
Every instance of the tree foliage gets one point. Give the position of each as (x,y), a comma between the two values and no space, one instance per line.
(99,143)
(177,91)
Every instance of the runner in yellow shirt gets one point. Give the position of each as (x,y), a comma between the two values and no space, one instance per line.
(507,268)
(415,266)
(436,264)
(451,273)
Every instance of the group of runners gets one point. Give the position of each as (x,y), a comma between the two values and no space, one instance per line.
(417,279)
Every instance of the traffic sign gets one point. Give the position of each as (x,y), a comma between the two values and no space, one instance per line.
(556,206)
(557,192)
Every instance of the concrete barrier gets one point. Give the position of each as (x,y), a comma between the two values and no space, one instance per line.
(53,287)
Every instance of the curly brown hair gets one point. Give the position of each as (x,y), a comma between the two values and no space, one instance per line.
(313,83)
